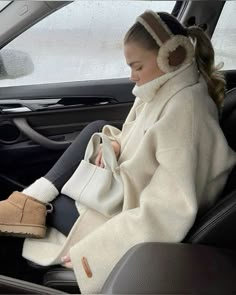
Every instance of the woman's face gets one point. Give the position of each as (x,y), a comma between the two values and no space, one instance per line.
(143,63)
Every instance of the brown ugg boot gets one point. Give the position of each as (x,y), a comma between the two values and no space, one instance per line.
(22,216)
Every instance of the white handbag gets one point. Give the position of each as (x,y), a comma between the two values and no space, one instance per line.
(98,188)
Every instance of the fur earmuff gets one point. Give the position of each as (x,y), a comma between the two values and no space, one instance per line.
(175,50)
(169,48)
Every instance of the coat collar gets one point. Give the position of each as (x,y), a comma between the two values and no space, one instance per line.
(173,82)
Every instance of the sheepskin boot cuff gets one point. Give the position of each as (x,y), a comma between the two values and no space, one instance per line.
(42,190)
(22,216)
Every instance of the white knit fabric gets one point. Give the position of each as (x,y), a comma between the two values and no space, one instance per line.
(42,190)
(147,91)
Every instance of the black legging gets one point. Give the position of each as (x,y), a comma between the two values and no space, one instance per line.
(69,161)
(62,171)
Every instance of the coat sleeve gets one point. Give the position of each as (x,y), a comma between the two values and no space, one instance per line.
(166,212)
(114,133)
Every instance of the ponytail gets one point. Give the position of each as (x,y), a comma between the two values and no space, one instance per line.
(205,58)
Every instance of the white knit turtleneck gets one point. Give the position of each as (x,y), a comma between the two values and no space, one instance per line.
(147,91)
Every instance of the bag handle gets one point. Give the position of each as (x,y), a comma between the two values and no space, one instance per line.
(108,155)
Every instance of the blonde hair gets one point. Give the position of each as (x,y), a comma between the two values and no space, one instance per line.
(205,58)
(138,34)
(204,52)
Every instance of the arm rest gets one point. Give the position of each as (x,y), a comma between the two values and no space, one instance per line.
(168,268)
(61,278)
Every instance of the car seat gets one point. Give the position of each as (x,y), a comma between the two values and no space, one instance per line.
(216,226)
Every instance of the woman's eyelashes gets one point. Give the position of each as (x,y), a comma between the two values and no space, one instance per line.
(139,68)
(136,67)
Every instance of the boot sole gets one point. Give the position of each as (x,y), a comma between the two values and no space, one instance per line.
(23,231)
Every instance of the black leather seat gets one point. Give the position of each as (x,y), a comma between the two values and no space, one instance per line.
(216,226)
(228,119)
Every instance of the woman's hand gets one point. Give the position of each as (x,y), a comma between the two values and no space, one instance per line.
(66,261)
(99,161)
(116,147)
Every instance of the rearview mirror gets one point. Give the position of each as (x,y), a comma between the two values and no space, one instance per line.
(15,64)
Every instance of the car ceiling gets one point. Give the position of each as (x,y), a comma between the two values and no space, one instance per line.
(18,16)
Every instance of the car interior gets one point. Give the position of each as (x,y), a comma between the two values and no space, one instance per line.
(38,122)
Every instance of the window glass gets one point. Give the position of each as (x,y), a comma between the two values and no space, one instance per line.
(81,41)
(224,37)
(3,4)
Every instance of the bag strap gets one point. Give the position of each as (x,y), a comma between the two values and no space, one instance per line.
(108,155)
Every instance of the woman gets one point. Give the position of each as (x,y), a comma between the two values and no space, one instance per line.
(173,157)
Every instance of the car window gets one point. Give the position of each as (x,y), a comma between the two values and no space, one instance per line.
(82,41)
(3,4)
(224,36)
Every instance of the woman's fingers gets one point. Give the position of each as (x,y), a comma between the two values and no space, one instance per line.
(66,258)
(99,161)
(116,147)
(102,165)
(66,261)
(99,158)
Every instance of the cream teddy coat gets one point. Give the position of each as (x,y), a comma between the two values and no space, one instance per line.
(174,162)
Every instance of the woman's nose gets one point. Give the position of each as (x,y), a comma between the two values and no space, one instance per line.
(133,77)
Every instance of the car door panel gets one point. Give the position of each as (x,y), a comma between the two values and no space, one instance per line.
(56,113)
(231,79)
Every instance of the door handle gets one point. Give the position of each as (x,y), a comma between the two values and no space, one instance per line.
(26,129)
